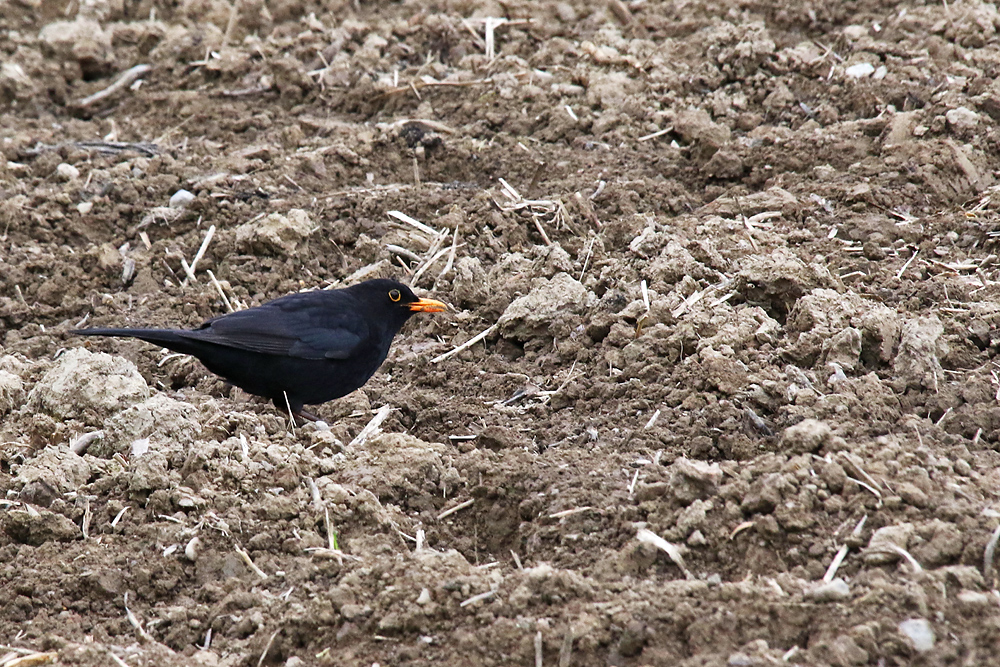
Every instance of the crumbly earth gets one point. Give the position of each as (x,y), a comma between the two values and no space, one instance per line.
(734,262)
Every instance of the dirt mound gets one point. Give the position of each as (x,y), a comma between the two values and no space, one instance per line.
(723,277)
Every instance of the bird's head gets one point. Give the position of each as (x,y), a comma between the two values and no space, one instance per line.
(395,301)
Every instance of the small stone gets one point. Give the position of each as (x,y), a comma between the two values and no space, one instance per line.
(834,591)
(806,437)
(85,207)
(860,71)
(854,32)
(181,199)
(973,600)
(962,119)
(67,172)
(919,633)
(912,494)
(275,234)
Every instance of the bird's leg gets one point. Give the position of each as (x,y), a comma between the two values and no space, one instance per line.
(294,410)
(306,416)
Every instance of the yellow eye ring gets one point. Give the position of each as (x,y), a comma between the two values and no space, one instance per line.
(395,295)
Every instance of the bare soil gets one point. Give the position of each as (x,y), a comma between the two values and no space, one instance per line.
(735,262)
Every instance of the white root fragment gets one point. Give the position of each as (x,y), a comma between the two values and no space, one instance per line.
(413,222)
(831,572)
(372,428)
(477,598)
(218,288)
(456,508)
(466,345)
(189,269)
(649,537)
(253,566)
(124,80)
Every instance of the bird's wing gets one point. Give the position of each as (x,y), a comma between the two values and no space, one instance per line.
(300,325)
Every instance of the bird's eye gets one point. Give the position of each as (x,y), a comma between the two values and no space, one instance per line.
(395,295)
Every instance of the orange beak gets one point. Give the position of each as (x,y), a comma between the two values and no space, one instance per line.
(428,306)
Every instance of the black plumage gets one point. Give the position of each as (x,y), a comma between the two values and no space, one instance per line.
(301,349)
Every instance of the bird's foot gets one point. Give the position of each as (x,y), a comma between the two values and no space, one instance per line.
(305,417)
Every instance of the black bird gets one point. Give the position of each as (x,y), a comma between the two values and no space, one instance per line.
(305,348)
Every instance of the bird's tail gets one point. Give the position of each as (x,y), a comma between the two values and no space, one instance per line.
(169,338)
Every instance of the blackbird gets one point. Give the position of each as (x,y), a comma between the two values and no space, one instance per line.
(305,348)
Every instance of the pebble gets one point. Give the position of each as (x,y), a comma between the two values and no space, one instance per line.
(181,199)
(860,71)
(67,172)
(834,591)
(919,633)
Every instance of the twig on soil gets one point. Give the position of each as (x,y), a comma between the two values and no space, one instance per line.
(451,255)
(546,396)
(541,230)
(124,80)
(218,288)
(861,471)
(456,508)
(654,135)
(331,537)
(118,517)
(586,259)
(413,222)
(402,252)
(291,415)
(538,208)
(20,297)
(246,559)
(466,345)
(698,296)
(143,635)
(740,528)
(88,515)
(990,554)
(430,262)
(190,269)
(517,559)
(906,265)
(270,640)
(372,428)
(234,14)
(649,537)
(831,572)
(477,598)
(538,649)
(570,512)
(631,486)
(118,661)
(907,555)
(869,487)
